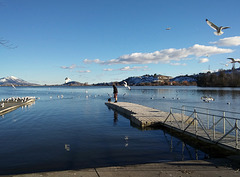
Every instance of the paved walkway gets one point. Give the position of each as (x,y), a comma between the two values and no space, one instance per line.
(195,168)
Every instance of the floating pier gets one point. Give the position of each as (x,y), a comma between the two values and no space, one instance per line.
(190,126)
(143,116)
(11,104)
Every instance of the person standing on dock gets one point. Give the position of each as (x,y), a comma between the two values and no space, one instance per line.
(115,92)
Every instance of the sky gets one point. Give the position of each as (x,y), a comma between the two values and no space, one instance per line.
(96,41)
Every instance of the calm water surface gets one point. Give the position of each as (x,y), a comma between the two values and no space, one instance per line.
(77,130)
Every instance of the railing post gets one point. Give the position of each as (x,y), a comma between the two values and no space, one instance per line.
(183,147)
(213,127)
(208,119)
(196,123)
(182,114)
(236,133)
(224,128)
(170,118)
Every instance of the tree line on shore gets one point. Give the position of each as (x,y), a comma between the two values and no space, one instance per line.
(221,78)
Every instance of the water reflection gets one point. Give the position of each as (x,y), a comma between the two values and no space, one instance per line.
(115,119)
(184,150)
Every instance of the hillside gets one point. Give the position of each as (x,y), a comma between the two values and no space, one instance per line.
(14,81)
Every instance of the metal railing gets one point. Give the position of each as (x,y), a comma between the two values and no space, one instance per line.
(216,125)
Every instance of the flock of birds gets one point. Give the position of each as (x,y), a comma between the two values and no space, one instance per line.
(15,99)
(218,32)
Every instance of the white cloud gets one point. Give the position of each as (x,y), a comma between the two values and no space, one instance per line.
(93,61)
(178,64)
(203,60)
(86,71)
(69,67)
(128,68)
(230,41)
(164,56)
(108,69)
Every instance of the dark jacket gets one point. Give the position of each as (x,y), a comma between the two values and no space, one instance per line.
(115,90)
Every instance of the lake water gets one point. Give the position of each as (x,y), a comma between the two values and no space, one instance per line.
(72,128)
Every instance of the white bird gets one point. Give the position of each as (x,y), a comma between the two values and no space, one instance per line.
(125,85)
(207,99)
(218,31)
(13,86)
(168,28)
(234,60)
(67,147)
(67,80)
(225,64)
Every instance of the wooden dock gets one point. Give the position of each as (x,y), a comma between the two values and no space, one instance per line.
(143,116)
(183,125)
(8,106)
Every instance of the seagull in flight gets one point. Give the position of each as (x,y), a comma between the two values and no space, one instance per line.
(218,31)
(125,85)
(234,60)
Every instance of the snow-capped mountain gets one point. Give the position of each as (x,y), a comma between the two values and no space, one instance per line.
(12,80)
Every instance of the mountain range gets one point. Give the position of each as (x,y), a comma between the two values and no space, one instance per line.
(14,81)
(147,79)
(137,80)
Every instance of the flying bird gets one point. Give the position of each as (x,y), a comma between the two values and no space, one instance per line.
(168,28)
(67,80)
(125,85)
(218,31)
(225,64)
(234,60)
(13,86)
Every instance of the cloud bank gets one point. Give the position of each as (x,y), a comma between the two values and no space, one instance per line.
(230,41)
(86,71)
(163,56)
(69,67)
(128,68)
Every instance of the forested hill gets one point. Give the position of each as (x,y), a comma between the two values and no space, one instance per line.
(222,78)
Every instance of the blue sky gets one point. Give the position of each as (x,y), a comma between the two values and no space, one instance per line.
(109,40)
